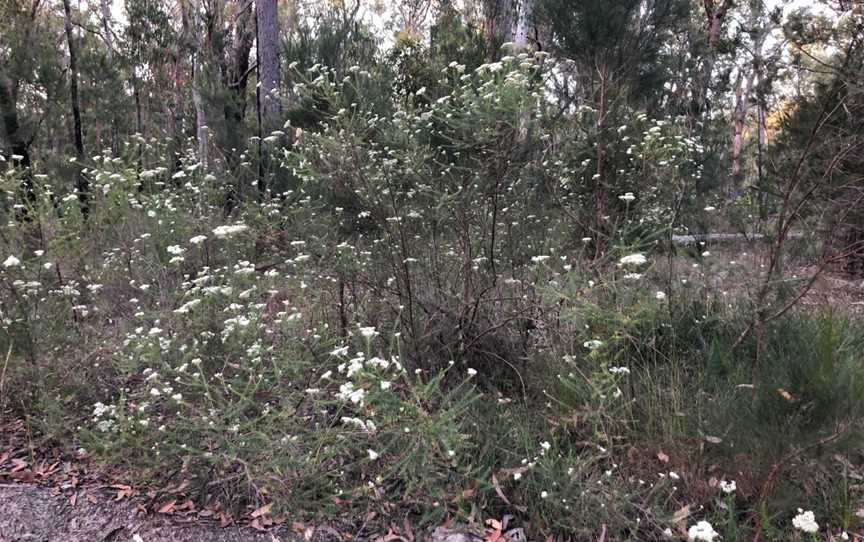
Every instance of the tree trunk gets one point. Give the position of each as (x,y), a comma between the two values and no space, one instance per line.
(82,186)
(715,15)
(267,43)
(106,28)
(19,147)
(235,78)
(526,8)
(200,115)
(742,106)
(499,25)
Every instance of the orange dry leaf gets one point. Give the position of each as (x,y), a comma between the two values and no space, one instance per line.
(261,511)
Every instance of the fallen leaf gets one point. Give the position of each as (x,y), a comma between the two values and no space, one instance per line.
(713,440)
(682,514)
(187,505)
(785,394)
(389,537)
(73,499)
(662,457)
(167,508)
(123,491)
(18,464)
(23,475)
(261,511)
(180,488)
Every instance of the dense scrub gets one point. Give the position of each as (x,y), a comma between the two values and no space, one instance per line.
(414,319)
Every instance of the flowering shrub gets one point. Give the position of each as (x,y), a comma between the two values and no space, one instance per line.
(452,306)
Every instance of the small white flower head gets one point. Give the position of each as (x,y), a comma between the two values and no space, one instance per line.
(539,259)
(373,455)
(633,259)
(702,532)
(517,475)
(544,494)
(805,521)
(198,239)
(660,296)
(710,208)
(674,475)
(472,372)
(368,332)
(627,198)
(593,344)
(728,487)
(545,445)
(228,231)
(11,261)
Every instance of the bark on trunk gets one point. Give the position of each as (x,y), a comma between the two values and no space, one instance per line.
(526,7)
(715,15)
(267,28)
(19,147)
(200,115)
(742,107)
(82,186)
(235,78)
(499,25)
(106,28)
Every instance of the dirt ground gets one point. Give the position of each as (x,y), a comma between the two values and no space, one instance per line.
(31,513)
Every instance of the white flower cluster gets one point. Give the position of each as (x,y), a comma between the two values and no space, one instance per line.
(805,521)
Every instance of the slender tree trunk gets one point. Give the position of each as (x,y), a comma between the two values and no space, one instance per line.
(192,29)
(177,116)
(82,185)
(715,14)
(139,126)
(267,29)
(742,106)
(760,176)
(526,8)
(235,79)
(499,25)
(269,107)
(18,145)
(105,9)
(200,115)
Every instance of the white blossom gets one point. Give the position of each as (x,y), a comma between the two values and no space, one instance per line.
(702,532)
(805,521)
(633,259)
